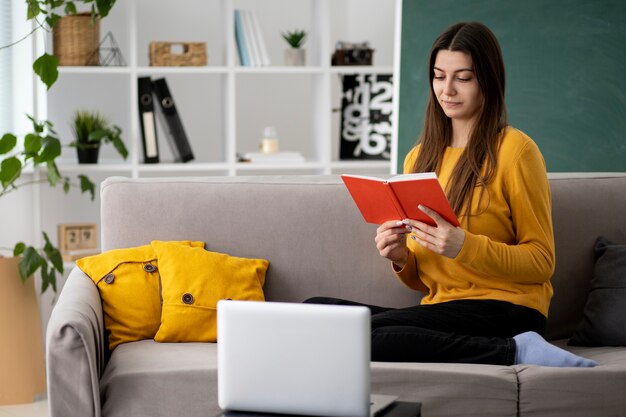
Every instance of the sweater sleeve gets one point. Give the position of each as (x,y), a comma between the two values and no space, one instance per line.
(531,258)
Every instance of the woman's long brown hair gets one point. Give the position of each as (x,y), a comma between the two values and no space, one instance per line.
(477,164)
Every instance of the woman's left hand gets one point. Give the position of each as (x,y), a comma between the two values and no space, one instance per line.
(444,239)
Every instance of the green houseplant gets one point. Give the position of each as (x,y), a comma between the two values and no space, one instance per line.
(41,147)
(294,56)
(91,129)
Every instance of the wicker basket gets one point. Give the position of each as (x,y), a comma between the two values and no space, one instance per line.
(76,40)
(193,54)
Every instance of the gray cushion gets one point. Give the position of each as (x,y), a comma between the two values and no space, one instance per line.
(604,321)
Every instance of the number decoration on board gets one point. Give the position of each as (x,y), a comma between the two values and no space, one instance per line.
(366,115)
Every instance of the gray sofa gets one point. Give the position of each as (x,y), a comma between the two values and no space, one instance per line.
(317,244)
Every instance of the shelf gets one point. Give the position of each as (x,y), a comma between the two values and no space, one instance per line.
(361,69)
(278,70)
(186,167)
(145,71)
(251,166)
(94,70)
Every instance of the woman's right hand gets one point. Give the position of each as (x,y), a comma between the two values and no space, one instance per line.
(391,242)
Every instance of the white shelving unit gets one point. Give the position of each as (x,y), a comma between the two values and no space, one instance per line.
(224,106)
(235,102)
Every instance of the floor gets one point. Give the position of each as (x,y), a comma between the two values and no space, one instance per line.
(36,409)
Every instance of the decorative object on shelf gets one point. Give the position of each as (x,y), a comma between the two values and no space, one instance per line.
(22,360)
(109,53)
(77,240)
(366,113)
(294,56)
(269,151)
(76,39)
(249,39)
(347,53)
(277,157)
(178,54)
(170,119)
(91,129)
(269,141)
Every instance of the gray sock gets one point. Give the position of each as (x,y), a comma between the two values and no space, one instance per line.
(532,349)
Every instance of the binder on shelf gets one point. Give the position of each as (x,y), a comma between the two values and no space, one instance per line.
(240,39)
(170,118)
(147,121)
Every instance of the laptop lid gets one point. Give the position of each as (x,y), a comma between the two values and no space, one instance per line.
(292,358)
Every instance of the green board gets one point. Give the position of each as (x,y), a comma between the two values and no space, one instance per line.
(565,66)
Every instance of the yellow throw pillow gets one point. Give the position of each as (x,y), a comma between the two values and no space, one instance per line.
(193,280)
(129,286)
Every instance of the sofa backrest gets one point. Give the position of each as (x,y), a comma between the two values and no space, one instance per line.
(582,210)
(307,227)
(310,230)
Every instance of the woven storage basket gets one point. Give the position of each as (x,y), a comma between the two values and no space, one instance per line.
(193,54)
(76,40)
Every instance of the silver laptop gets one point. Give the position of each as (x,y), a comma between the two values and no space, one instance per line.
(289,358)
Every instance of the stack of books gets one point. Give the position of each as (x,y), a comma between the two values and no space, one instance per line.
(271,157)
(249,39)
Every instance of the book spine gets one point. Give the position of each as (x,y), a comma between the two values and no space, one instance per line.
(241,40)
(265,58)
(395,201)
(251,41)
(147,121)
(172,121)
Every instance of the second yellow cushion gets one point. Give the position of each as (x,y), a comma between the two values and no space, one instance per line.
(193,280)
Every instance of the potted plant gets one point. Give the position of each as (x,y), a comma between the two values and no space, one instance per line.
(91,129)
(19,310)
(294,56)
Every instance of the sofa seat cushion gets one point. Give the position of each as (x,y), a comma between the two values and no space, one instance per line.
(148,379)
(450,389)
(586,391)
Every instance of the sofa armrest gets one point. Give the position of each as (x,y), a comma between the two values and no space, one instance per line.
(75,349)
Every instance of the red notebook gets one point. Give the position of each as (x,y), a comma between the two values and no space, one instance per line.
(398,197)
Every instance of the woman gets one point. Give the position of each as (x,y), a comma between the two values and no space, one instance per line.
(487,283)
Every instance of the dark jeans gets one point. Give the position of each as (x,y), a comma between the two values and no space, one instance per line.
(463,331)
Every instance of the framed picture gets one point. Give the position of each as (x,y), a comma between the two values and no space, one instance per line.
(77,240)
(366,115)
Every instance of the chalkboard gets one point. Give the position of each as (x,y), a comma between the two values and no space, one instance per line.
(565,67)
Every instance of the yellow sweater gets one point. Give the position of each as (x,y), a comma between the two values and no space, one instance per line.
(508,252)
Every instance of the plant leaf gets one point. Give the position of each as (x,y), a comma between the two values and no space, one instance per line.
(45,279)
(10,170)
(33,9)
(98,135)
(53,254)
(104,7)
(32,145)
(87,186)
(31,261)
(66,185)
(52,19)
(70,8)
(51,148)
(53,173)
(46,67)
(7,143)
(19,248)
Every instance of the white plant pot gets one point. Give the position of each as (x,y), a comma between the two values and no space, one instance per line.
(294,57)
